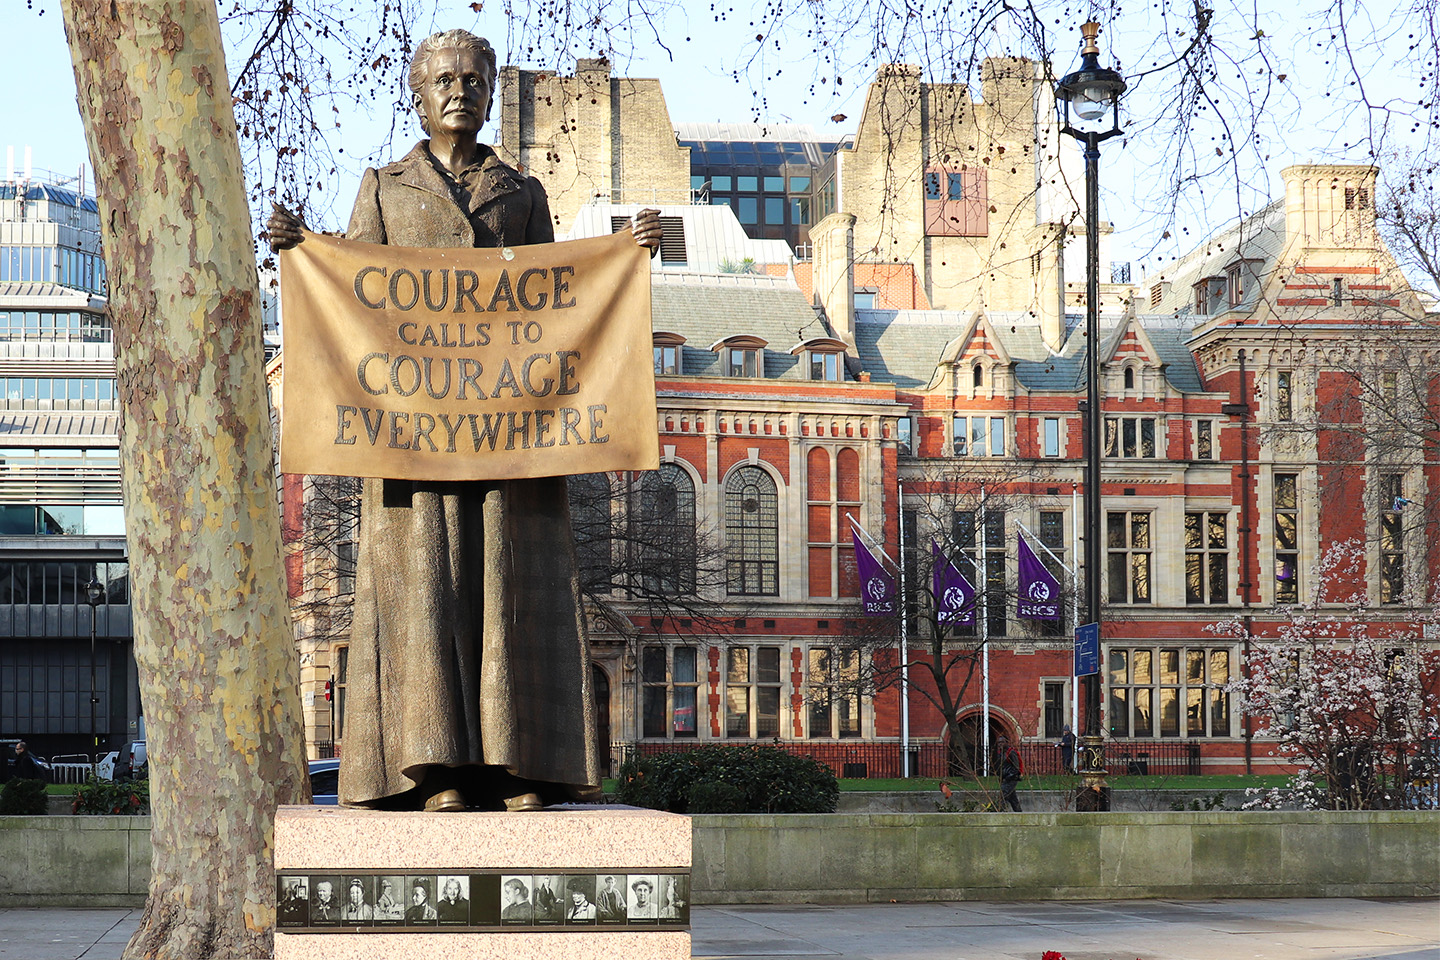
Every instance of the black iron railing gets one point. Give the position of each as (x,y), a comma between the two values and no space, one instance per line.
(869,760)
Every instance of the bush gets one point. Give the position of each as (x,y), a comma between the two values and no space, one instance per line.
(104,798)
(23,798)
(715,779)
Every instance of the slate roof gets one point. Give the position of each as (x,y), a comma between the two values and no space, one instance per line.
(1260,237)
(707,308)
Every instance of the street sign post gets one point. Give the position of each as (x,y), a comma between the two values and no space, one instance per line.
(1087,649)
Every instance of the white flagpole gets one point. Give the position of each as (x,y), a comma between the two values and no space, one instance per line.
(870,540)
(904,647)
(984,579)
(1075,602)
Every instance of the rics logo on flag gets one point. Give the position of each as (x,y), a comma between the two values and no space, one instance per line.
(1039,591)
(876,588)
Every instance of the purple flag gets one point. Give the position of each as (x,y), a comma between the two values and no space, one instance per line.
(954,595)
(877,588)
(1039,590)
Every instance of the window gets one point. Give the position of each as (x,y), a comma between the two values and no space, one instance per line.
(968,437)
(669,680)
(1052,535)
(1235,284)
(1287,530)
(775,210)
(667,358)
(752,533)
(752,692)
(956,203)
(662,531)
(1169,692)
(1206,557)
(747,184)
(905,436)
(1204,440)
(742,362)
(824,366)
(967,561)
(1051,428)
(774,184)
(341,675)
(1053,718)
(1392,539)
(1129,378)
(1284,401)
(932,186)
(834,695)
(1130,437)
(1127,541)
(1356,198)
(954,186)
(1156,294)
(800,210)
(799,184)
(1337,292)
(864,299)
(345,556)
(747,209)
(977,376)
(720,183)
(591,522)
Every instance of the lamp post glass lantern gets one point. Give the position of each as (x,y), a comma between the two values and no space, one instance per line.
(1091,92)
(94,596)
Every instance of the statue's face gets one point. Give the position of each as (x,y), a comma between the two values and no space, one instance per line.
(456,96)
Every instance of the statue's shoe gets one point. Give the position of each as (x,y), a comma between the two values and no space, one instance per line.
(524,803)
(446,801)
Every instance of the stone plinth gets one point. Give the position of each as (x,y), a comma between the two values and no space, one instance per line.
(566,882)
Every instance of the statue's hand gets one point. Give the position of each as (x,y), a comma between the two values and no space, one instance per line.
(645,228)
(284,228)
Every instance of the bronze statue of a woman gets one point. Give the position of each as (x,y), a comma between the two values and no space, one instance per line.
(469,676)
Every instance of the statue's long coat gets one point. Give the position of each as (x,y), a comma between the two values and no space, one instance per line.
(467,642)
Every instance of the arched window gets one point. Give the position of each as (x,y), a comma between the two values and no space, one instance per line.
(1129,378)
(662,531)
(979,376)
(590,518)
(752,533)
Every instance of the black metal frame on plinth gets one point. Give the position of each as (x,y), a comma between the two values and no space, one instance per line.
(1092,90)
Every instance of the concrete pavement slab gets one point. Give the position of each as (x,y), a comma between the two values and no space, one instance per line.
(1330,929)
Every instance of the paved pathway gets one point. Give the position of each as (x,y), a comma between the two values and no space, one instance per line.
(1333,929)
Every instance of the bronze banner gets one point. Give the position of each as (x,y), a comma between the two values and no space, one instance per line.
(467,364)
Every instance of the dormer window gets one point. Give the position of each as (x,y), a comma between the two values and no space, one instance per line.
(1129,378)
(742,356)
(742,362)
(669,355)
(978,376)
(1235,283)
(824,356)
(1209,295)
(864,299)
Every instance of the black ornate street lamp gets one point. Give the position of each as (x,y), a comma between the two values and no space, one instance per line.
(94,596)
(1091,92)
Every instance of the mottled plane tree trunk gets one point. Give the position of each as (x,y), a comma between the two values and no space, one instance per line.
(218,673)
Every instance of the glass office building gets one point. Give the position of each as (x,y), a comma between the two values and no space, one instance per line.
(767,173)
(61,515)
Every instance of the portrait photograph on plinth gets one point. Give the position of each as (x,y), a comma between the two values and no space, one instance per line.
(515,894)
(421,911)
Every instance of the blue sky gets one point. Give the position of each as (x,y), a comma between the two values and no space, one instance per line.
(1300,123)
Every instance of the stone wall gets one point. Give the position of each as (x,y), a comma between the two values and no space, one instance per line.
(857,858)
(74,861)
(839,858)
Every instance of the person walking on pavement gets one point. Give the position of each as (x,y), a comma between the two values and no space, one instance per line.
(1012,769)
(1067,750)
(25,766)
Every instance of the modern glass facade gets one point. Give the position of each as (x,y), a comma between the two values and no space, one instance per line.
(770,184)
(62,522)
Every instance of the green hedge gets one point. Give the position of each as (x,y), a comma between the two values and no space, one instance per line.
(23,798)
(104,798)
(716,779)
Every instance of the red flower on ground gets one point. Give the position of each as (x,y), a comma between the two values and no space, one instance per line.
(1052,955)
